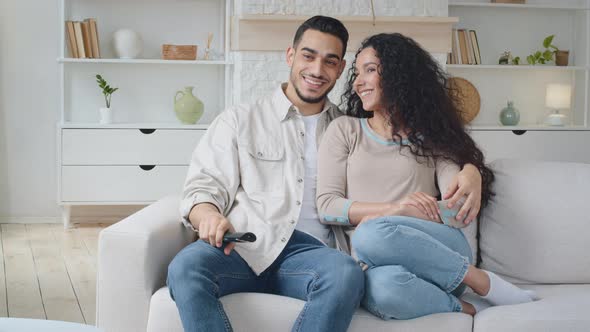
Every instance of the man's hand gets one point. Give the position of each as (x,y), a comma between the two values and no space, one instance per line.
(466,183)
(212,225)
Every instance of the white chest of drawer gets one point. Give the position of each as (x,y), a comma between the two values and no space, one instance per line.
(122,165)
(567,145)
(128,146)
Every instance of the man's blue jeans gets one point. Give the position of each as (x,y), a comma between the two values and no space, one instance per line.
(331,282)
(415,266)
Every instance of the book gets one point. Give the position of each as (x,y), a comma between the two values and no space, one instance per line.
(86,37)
(71,39)
(463,46)
(475,45)
(470,55)
(79,39)
(94,38)
(457,48)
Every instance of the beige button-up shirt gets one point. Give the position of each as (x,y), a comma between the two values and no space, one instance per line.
(249,165)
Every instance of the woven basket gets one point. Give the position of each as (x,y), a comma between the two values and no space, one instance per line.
(179,52)
(467,97)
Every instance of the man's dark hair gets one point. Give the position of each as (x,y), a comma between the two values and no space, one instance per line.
(323,24)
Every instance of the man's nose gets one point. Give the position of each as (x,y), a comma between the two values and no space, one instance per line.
(316,68)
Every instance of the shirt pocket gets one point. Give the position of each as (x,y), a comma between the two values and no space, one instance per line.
(262,168)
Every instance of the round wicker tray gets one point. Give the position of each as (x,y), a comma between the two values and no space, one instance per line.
(467,96)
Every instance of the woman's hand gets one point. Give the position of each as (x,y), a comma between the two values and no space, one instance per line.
(420,205)
(417,205)
(465,183)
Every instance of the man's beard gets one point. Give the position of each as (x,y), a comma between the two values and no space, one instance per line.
(307,99)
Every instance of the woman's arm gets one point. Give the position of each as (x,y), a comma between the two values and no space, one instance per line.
(333,205)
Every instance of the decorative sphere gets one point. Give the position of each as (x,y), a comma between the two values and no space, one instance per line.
(127,44)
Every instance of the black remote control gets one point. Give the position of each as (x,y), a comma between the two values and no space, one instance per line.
(239,237)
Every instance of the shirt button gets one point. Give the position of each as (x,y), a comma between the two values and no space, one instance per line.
(259,154)
(292,222)
(300,180)
(298,203)
(302,158)
(302,133)
(283,240)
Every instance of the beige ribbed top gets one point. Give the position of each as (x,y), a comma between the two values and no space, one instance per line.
(356,164)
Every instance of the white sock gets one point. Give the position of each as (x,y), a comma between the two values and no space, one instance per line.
(476,301)
(502,292)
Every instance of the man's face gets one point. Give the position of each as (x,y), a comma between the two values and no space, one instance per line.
(316,64)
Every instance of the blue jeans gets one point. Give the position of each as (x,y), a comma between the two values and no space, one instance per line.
(331,282)
(415,266)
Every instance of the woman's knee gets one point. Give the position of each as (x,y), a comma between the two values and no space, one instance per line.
(389,293)
(373,236)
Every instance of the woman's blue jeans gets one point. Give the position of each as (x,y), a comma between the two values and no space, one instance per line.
(415,267)
(331,283)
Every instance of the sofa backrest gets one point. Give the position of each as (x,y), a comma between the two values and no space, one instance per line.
(537,227)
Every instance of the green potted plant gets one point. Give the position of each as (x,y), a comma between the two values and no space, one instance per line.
(542,57)
(107,91)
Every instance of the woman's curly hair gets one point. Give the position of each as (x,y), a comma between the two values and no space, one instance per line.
(419,100)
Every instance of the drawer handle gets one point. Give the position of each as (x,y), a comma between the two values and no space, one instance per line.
(519,132)
(147,131)
(147,167)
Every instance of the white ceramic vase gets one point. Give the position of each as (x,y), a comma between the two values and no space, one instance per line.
(127,44)
(106,115)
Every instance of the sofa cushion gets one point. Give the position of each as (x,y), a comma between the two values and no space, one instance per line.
(537,227)
(561,308)
(265,312)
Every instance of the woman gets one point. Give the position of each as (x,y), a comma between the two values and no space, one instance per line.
(383,167)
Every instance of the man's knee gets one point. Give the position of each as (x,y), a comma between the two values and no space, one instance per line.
(345,273)
(190,261)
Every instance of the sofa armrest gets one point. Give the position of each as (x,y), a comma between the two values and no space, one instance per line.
(133,258)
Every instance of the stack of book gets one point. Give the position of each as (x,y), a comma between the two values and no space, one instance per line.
(82,39)
(465,48)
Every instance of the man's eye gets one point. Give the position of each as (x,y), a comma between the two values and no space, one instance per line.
(307,56)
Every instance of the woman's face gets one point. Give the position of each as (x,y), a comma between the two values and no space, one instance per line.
(368,80)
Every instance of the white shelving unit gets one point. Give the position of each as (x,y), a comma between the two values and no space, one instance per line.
(145,152)
(521,28)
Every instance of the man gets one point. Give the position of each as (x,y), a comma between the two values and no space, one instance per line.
(254,171)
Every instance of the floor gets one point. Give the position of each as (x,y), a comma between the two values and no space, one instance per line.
(47,272)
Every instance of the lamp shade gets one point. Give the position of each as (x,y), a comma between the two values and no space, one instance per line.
(558,96)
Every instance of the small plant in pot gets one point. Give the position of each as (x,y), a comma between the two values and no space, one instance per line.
(107,91)
(542,57)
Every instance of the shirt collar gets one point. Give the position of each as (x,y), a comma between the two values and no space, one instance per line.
(284,107)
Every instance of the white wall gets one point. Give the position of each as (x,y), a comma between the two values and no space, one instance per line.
(29,99)
(28,107)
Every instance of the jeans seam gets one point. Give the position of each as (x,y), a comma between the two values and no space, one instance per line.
(457,306)
(298,322)
(234,276)
(460,276)
(226,322)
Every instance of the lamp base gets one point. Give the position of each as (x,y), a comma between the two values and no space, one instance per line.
(555,119)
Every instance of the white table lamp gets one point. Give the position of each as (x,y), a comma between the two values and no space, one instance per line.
(558,96)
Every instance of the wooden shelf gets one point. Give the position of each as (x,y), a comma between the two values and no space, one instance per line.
(520,67)
(145,61)
(527,127)
(513,6)
(344,19)
(70,125)
(257,32)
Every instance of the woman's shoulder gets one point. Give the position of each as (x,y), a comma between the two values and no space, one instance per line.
(346,123)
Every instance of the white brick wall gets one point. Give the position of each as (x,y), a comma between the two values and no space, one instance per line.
(259,73)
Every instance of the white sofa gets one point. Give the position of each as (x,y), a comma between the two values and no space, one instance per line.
(535,232)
